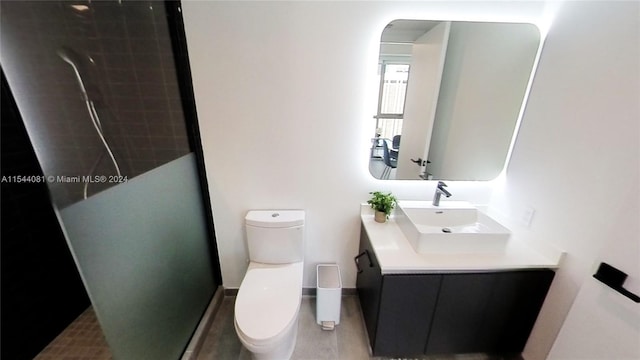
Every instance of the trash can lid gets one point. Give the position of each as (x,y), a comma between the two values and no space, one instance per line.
(329,276)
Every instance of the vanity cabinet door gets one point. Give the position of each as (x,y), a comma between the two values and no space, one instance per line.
(406,310)
(397,309)
(369,284)
(513,308)
(460,312)
(487,312)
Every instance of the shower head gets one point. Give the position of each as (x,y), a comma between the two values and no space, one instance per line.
(79,64)
(74,59)
(70,56)
(85,75)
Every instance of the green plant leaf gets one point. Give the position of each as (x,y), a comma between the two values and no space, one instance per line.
(382,202)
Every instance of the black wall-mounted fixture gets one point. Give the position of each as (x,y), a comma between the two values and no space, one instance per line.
(614,278)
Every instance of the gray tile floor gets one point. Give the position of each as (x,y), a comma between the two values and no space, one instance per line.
(348,341)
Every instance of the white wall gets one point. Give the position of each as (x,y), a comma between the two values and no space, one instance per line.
(279,92)
(577,157)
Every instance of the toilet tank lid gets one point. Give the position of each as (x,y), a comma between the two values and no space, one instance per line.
(275,218)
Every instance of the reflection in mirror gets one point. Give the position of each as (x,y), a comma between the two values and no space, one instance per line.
(450,95)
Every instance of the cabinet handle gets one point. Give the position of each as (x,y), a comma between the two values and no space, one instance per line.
(357,261)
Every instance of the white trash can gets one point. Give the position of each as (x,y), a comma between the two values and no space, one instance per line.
(328,295)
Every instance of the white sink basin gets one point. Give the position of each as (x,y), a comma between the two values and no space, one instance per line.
(452,227)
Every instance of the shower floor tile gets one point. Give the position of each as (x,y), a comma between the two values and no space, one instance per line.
(83,339)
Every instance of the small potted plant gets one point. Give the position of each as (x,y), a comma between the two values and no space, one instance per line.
(383,204)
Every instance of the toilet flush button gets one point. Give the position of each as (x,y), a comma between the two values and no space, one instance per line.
(275,215)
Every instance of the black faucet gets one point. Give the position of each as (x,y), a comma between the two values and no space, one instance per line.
(440,191)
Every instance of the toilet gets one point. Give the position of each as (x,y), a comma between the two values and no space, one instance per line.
(268,301)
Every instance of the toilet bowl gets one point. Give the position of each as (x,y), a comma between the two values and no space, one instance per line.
(266,309)
(269,298)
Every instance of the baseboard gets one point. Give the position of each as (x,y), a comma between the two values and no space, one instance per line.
(197,340)
(230,291)
(308,291)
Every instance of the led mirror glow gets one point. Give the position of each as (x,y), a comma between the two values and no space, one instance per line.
(463,98)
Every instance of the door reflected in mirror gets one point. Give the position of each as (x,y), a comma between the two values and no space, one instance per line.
(449,98)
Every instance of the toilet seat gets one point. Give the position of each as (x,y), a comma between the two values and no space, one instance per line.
(268,302)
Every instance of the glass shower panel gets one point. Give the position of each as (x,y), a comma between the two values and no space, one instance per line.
(97,88)
(141,251)
(96,84)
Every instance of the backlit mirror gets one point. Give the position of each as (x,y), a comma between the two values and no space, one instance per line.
(449,97)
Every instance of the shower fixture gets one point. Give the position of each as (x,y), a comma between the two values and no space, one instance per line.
(76,60)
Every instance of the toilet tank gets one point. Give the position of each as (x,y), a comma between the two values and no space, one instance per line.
(275,236)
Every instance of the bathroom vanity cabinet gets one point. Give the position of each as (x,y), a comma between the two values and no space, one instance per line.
(448,312)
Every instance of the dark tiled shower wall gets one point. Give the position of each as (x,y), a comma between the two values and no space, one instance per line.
(41,288)
(128,69)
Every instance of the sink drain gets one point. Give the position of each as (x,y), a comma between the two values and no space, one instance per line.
(446,230)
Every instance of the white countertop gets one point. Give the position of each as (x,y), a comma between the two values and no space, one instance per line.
(396,255)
